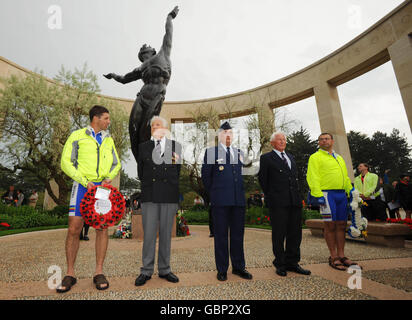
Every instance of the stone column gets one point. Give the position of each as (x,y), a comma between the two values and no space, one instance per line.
(401,57)
(48,203)
(266,125)
(331,120)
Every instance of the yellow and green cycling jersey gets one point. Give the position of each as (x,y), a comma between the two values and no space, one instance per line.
(327,172)
(84,160)
(369,186)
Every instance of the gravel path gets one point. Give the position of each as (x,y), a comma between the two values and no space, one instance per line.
(27,257)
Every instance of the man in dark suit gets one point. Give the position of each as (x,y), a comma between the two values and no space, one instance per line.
(222,178)
(159,162)
(279,181)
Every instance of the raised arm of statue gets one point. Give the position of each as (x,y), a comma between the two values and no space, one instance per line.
(128,77)
(167,39)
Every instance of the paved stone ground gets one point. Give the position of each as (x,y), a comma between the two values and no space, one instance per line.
(400,278)
(27,257)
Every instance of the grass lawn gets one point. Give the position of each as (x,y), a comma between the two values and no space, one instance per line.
(16,231)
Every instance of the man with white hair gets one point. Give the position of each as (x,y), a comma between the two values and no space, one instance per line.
(159,162)
(279,181)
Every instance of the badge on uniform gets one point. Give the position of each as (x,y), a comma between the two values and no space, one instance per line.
(221,168)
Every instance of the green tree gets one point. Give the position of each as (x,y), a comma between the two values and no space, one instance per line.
(39,116)
(382,152)
(127,184)
(301,146)
(360,146)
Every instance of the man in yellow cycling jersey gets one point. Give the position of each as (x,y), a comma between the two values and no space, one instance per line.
(90,158)
(367,183)
(329,186)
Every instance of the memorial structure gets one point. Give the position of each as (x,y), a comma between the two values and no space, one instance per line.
(390,39)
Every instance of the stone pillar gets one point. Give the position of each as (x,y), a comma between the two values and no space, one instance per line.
(266,125)
(48,203)
(331,120)
(401,57)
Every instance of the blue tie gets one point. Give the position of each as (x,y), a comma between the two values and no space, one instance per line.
(99,138)
(227,155)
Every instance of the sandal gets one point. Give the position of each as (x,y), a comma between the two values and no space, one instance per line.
(99,280)
(68,282)
(336,265)
(349,264)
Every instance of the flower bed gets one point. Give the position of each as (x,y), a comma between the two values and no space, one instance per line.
(406,221)
(124,229)
(182,229)
(4,226)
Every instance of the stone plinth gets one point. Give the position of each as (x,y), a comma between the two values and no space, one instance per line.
(386,234)
(137,226)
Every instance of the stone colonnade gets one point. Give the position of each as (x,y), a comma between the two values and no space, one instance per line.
(390,39)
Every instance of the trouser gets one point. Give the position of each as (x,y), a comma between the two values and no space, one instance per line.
(157,217)
(375,209)
(229,224)
(210,220)
(85,229)
(286,225)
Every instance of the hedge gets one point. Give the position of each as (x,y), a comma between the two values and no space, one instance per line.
(253,216)
(27,217)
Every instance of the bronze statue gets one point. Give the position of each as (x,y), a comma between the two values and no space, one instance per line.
(155,72)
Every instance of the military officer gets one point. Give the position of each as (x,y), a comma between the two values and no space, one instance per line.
(222,178)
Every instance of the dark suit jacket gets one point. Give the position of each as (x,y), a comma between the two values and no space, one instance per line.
(223,181)
(278,182)
(159,182)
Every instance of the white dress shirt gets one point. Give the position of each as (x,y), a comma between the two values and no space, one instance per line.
(162,143)
(285,155)
(230,148)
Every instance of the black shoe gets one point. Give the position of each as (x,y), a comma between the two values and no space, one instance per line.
(211,235)
(281,272)
(242,273)
(86,238)
(141,280)
(222,276)
(81,237)
(170,277)
(299,269)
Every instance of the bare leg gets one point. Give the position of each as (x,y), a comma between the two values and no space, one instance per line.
(102,240)
(340,237)
(72,243)
(329,233)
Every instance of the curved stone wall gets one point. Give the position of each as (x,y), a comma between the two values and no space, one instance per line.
(390,39)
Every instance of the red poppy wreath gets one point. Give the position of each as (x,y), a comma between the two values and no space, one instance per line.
(102,207)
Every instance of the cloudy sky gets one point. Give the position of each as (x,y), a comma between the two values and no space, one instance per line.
(219,47)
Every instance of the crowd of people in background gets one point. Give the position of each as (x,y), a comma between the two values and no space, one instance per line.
(382,199)
(16,198)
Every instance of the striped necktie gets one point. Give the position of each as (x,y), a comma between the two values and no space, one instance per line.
(284,159)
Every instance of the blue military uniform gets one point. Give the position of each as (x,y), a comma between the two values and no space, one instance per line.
(222,178)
